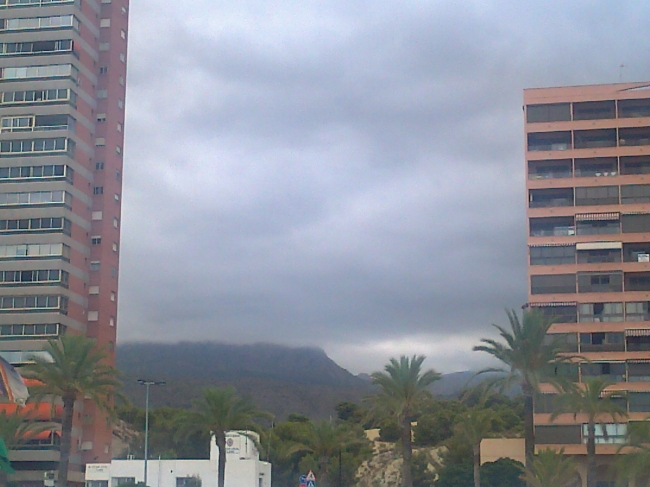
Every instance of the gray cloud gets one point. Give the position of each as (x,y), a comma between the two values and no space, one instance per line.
(343,174)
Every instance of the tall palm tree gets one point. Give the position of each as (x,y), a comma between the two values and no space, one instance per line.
(76,369)
(324,441)
(473,426)
(550,468)
(403,387)
(633,458)
(219,410)
(526,354)
(591,399)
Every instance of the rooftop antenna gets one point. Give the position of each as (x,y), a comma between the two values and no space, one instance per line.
(620,73)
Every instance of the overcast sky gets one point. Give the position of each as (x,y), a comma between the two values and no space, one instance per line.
(346,174)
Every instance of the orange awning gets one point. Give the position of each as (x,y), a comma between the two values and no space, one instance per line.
(41,410)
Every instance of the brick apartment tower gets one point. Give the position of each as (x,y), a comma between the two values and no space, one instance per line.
(588,184)
(62,88)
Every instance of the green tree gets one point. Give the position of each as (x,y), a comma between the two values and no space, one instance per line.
(550,468)
(403,388)
(219,410)
(593,401)
(633,458)
(504,472)
(326,442)
(76,369)
(473,426)
(526,354)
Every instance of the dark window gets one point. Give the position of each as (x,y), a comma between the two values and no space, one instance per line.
(558,435)
(549,198)
(637,281)
(597,195)
(553,284)
(549,169)
(634,108)
(635,223)
(593,139)
(596,167)
(634,136)
(637,311)
(545,141)
(602,342)
(598,227)
(638,372)
(555,255)
(612,371)
(552,112)
(545,403)
(635,165)
(599,256)
(635,193)
(598,282)
(560,314)
(639,402)
(554,226)
(594,110)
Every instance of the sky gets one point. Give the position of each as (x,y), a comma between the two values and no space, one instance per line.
(343,174)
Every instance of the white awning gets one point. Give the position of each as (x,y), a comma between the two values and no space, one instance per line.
(592,217)
(637,332)
(553,305)
(599,245)
(550,245)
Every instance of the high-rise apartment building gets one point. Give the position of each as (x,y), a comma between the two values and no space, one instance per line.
(62,90)
(588,185)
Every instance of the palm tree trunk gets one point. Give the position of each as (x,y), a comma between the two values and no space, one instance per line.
(407,453)
(477,465)
(591,454)
(220,437)
(66,440)
(529,423)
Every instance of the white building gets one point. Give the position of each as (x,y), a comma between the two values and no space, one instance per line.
(243,468)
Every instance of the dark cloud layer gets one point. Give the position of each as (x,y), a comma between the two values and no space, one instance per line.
(342,174)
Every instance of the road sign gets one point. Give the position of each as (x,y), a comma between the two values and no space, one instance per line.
(310,476)
(303,479)
(311,483)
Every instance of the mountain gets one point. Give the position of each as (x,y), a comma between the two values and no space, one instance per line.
(279,379)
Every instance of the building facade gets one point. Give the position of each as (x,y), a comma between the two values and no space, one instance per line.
(62,94)
(588,188)
(243,468)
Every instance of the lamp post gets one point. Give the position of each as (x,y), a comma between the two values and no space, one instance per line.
(147,383)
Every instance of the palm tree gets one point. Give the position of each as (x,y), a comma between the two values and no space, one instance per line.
(217,411)
(550,468)
(324,441)
(593,401)
(473,426)
(403,387)
(76,369)
(633,458)
(526,354)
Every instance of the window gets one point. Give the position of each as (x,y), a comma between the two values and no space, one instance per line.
(600,312)
(123,34)
(100,142)
(120,104)
(54,171)
(37,225)
(93,290)
(118,150)
(38,96)
(103,69)
(635,193)
(34,276)
(637,311)
(119,127)
(34,72)
(547,141)
(113,296)
(554,226)
(33,302)
(116,481)
(597,282)
(610,371)
(101,117)
(118,175)
(113,271)
(596,167)
(550,169)
(11,148)
(36,198)
(39,330)
(98,190)
(598,195)
(550,198)
(553,284)
(639,402)
(101,94)
(105,23)
(32,23)
(94,265)
(634,108)
(558,435)
(115,246)
(96,239)
(594,110)
(122,57)
(607,434)
(594,139)
(602,342)
(188,481)
(116,197)
(99,166)
(104,46)
(552,112)
(116,222)
(120,80)
(637,281)
(555,255)
(34,251)
(93,315)
(97,215)
(111,321)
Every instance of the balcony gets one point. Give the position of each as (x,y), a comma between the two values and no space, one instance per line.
(550,198)
(599,256)
(550,169)
(635,165)
(548,141)
(552,226)
(549,112)
(37,123)
(594,110)
(635,193)
(637,281)
(594,139)
(634,136)
(638,371)
(553,284)
(560,314)
(596,167)
(597,195)
(553,255)
(634,108)
(600,282)
(602,342)
(600,313)
(607,371)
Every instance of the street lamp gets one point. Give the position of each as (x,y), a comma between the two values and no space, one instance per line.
(147,383)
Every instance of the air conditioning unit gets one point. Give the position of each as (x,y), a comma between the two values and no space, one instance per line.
(48,478)
(643,257)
